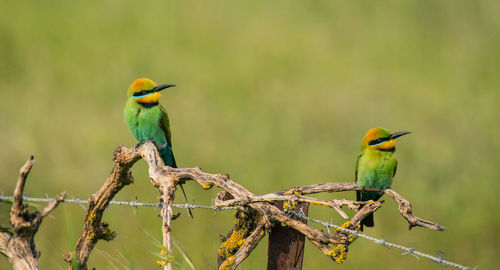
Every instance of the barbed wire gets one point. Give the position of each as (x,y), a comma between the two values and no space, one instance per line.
(135,204)
(383,242)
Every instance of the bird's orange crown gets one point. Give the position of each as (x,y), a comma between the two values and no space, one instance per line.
(141,84)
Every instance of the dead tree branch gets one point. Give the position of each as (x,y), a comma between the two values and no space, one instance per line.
(407,212)
(404,206)
(163,177)
(167,178)
(274,197)
(94,229)
(19,245)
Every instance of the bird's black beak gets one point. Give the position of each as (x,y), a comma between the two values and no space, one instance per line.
(161,87)
(398,134)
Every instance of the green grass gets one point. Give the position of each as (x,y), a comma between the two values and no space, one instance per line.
(277,94)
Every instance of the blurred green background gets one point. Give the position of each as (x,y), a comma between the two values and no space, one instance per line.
(277,94)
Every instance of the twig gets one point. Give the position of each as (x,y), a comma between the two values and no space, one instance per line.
(403,204)
(163,175)
(19,245)
(273,197)
(233,194)
(406,211)
(167,193)
(167,178)
(94,229)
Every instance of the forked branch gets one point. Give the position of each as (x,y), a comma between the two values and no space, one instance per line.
(164,176)
(166,179)
(19,245)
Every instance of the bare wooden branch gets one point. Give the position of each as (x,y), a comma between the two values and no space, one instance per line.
(363,212)
(162,175)
(167,194)
(403,205)
(273,197)
(407,213)
(250,243)
(325,187)
(94,229)
(19,245)
(17,205)
(167,178)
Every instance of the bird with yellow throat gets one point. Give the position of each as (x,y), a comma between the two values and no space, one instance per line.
(148,120)
(376,165)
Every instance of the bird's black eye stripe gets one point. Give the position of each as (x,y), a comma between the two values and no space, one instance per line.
(379,140)
(143,92)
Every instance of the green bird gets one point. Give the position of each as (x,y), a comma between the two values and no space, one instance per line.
(376,165)
(148,120)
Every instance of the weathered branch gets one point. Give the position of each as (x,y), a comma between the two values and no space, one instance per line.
(403,205)
(273,197)
(167,178)
(94,229)
(163,176)
(363,212)
(167,194)
(250,243)
(19,245)
(406,211)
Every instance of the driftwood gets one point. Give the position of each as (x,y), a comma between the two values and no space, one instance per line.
(18,244)
(167,178)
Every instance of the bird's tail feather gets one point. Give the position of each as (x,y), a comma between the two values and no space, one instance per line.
(362,196)
(185,197)
(367,221)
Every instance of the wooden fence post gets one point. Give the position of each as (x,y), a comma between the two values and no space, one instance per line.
(286,245)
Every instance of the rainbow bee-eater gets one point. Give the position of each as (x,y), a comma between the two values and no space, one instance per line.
(376,165)
(148,120)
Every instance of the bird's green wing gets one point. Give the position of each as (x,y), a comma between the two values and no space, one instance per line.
(356,165)
(165,125)
(395,167)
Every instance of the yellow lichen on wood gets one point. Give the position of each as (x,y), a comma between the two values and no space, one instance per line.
(227,263)
(345,226)
(244,225)
(232,243)
(207,185)
(350,237)
(319,203)
(92,217)
(289,205)
(338,253)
